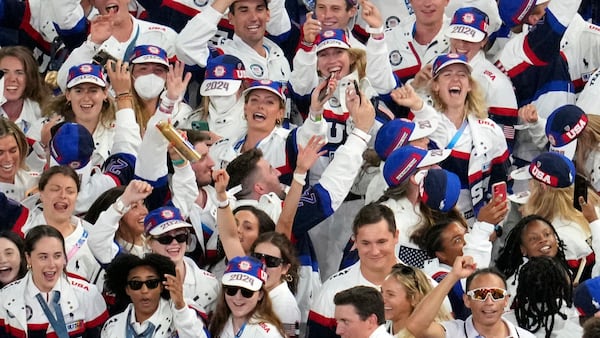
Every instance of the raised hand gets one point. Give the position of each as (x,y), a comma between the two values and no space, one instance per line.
(407,97)
(361,109)
(100,29)
(176,82)
(136,191)
(221,179)
(463,267)
(120,78)
(308,155)
(493,212)
(174,284)
(528,113)
(370,13)
(311,28)
(423,77)
(316,99)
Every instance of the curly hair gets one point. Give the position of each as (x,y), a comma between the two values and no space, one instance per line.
(262,312)
(511,258)
(118,270)
(544,287)
(288,254)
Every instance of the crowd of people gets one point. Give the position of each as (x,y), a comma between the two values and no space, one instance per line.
(277,168)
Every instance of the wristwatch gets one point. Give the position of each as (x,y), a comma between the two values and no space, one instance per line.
(120,207)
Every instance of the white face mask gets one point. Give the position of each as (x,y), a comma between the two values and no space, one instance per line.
(149,86)
(221,104)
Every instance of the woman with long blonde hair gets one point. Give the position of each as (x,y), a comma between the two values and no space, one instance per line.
(402,290)
(479,154)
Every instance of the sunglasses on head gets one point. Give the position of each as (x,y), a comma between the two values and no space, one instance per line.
(270,261)
(233,290)
(168,239)
(481,294)
(150,284)
(407,271)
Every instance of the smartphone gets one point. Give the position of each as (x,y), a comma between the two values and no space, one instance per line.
(200,125)
(325,91)
(499,189)
(102,57)
(580,190)
(357,90)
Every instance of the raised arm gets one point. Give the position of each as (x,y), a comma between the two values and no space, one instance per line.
(306,158)
(225,219)
(102,234)
(421,322)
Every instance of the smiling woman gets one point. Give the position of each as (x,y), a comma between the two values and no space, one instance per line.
(15,179)
(77,307)
(13,265)
(86,102)
(24,89)
(244,305)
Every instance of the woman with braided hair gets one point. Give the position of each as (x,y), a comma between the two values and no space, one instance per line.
(544,300)
(532,236)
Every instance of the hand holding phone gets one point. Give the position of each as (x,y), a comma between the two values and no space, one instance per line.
(325,91)
(499,192)
(357,90)
(579,191)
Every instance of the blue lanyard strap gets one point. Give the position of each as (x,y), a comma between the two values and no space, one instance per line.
(131,46)
(58,322)
(239,333)
(456,136)
(131,333)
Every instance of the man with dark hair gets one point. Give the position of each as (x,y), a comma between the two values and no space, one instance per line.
(486,296)
(376,236)
(359,313)
(262,58)
(254,175)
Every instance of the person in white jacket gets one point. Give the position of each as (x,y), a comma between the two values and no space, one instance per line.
(47,301)
(152,290)
(262,58)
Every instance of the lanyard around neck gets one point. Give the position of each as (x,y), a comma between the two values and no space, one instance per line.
(58,322)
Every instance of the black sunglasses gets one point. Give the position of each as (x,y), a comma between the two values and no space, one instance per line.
(168,239)
(150,284)
(233,290)
(407,271)
(270,261)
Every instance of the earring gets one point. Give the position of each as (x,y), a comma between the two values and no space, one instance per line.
(68,103)
(28,266)
(288,278)
(278,122)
